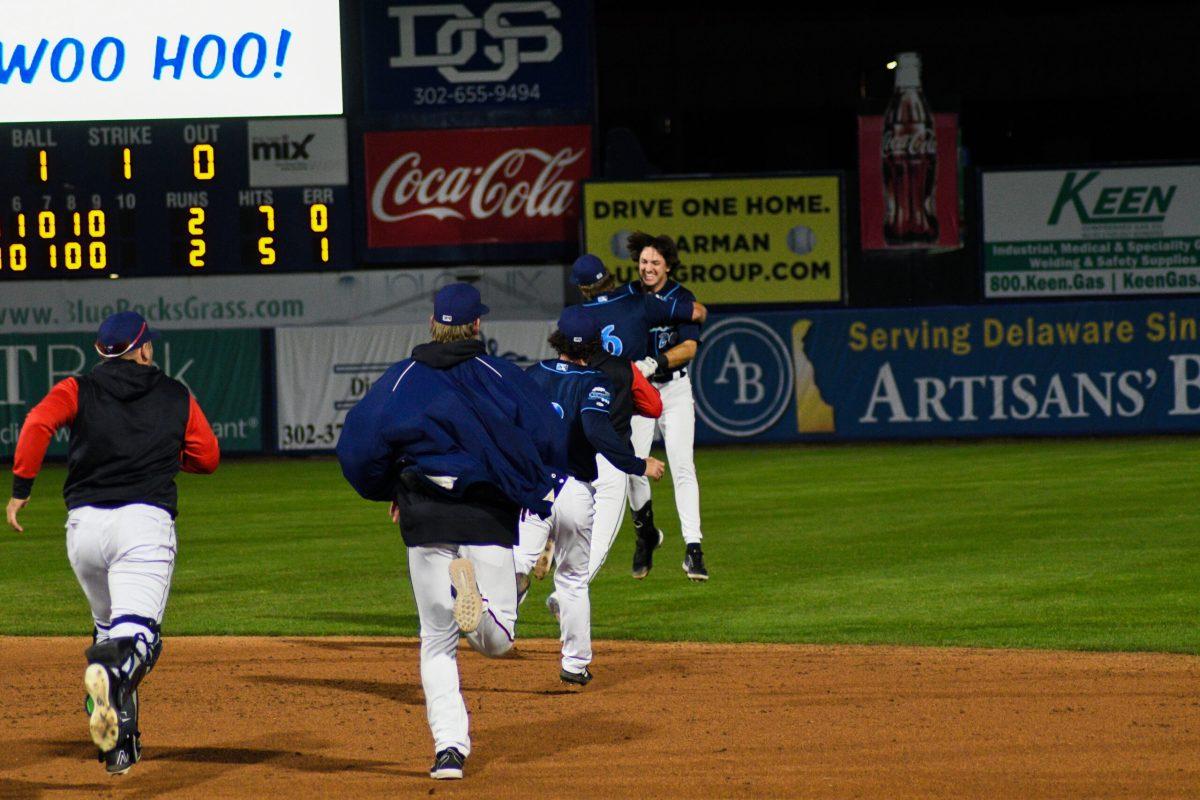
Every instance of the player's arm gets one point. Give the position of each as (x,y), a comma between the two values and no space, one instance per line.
(367,459)
(57,409)
(647,402)
(597,427)
(201,453)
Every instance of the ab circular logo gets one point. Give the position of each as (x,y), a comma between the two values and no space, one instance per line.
(743,376)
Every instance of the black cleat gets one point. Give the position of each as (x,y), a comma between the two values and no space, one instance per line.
(576,678)
(643,552)
(693,563)
(121,758)
(447,766)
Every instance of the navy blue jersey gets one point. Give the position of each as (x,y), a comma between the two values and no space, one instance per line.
(627,314)
(583,398)
(665,336)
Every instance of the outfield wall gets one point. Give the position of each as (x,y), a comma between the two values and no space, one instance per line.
(949,372)
(1128,367)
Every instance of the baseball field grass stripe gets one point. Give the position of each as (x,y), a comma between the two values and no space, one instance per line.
(1078,544)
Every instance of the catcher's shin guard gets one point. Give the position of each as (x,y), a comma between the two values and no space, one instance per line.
(115,668)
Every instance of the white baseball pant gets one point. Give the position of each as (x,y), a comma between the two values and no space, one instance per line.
(571,521)
(123,559)
(429,571)
(611,487)
(678,427)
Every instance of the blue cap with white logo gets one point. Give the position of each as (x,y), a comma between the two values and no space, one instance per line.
(578,325)
(587,270)
(458,304)
(122,333)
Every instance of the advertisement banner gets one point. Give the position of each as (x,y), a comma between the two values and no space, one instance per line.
(222,368)
(477,62)
(506,186)
(1020,370)
(321,373)
(64,60)
(297,152)
(270,301)
(1091,231)
(901,178)
(759,239)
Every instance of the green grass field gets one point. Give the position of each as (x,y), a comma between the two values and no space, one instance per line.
(1078,544)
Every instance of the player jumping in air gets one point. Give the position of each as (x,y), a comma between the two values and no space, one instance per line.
(132,430)
(459,442)
(672,347)
(625,316)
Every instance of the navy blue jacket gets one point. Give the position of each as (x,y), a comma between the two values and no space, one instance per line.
(626,316)
(452,410)
(583,398)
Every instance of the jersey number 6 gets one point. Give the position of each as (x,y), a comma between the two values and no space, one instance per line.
(611,343)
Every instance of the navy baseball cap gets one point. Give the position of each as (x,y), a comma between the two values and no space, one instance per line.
(578,325)
(458,304)
(587,270)
(123,332)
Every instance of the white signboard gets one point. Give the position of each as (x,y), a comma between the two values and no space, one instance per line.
(168,59)
(271,301)
(320,373)
(1092,231)
(297,152)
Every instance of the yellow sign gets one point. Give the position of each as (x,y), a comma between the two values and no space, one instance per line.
(740,240)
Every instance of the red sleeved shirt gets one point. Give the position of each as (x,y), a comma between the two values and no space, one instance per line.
(200,453)
(646,400)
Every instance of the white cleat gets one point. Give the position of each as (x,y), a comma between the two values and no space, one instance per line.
(468,603)
(104,724)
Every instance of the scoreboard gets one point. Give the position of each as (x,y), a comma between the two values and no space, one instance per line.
(173,198)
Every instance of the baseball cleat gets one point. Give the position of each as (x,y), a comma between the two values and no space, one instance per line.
(542,568)
(575,678)
(693,563)
(121,758)
(104,723)
(448,765)
(468,603)
(643,553)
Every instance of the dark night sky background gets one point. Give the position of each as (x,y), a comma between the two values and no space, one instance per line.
(748,87)
(755,87)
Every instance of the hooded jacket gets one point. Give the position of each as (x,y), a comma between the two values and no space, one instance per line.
(463,423)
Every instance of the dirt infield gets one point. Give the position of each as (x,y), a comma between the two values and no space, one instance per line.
(290,717)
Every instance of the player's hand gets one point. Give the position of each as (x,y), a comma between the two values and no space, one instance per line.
(394,511)
(15,505)
(647,366)
(654,468)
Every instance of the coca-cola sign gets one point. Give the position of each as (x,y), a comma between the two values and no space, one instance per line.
(475,186)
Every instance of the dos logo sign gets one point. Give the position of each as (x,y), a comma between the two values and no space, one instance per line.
(743,377)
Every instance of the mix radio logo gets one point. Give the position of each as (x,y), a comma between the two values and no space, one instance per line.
(500,185)
(744,377)
(502,38)
(308,152)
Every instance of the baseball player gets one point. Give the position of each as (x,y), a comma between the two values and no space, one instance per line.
(672,347)
(132,430)
(583,397)
(625,316)
(459,442)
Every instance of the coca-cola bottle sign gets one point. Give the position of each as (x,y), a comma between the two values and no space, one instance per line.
(909,155)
